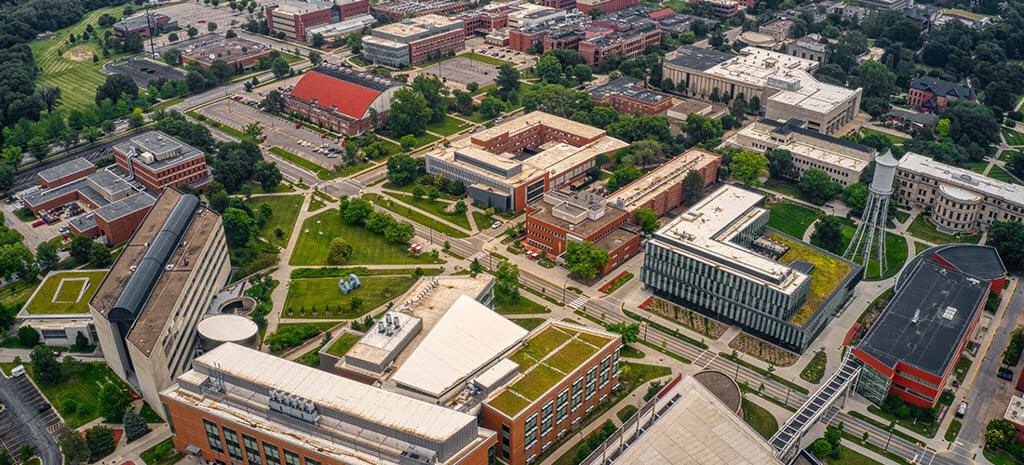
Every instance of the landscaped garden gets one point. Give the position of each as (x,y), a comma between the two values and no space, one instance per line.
(434,207)
(998,173)
(82,387)
(321,298)
(827,275)
(922,228)
(448,126)
(285,210)
(367,248)
(791,218)
(760,419)
(815,368)
(343,344)
(66,292)
(406,212)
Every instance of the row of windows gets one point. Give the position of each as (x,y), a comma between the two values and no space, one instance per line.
(251,446)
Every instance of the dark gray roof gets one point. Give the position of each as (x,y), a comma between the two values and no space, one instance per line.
(138,22)
(924,119)
(628,87)
(930,342)
(110,182)
(797,126)
(136,291)
(700,59)
(150,138)
(979,261)
(83,222)
(125,206)
(942,87)
(65,169)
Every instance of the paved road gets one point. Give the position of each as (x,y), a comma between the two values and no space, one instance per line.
(30,422)
(26,177)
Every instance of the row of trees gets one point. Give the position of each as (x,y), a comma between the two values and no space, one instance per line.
(358,211)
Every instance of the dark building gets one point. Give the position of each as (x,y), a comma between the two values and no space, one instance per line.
(627,95)
(932,94)
(143,26)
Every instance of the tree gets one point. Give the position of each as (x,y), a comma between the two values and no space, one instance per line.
(876,80)
(273,102)
(357,210)
(339,251)
(999,434)
(135,119)
(821,448)
(549,68)
(942,127)
(238,226)
(972,123)
(693,187)
(409,113)
(315,58)
(647,219)
(279,67)
(780,164)
(26,452)
(116,85)
(263,214)
(403,169)
(192,32)
(624,174)
(49,96)
(100,441)
(253,130)
(491,107)
(135,426)
(99,255)
(173,37)
(46,257)
(268,175)
(317,41)
(856,196)
(408,141)
(81,342)
(700,129)
(73,445)
(28,336)
(818,187)
(629,332)
(582,72)
(584,260)
(1016,164)
(594,12)
(828,234)
(506,281)
(113,402)
(80,247)
(211,26)
(508,81)
(45,365)
(748,166)
(475,267)
(1008,239)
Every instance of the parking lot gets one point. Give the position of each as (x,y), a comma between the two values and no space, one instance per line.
(279,132)
(143,70)
(28,419)
(200,14)
(463,71)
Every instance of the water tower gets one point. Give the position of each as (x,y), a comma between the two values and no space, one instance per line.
(872,225)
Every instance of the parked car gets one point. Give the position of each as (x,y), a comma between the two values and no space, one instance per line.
(298,125)
(38,223)
(1005,373)
(496,225)
(961,409)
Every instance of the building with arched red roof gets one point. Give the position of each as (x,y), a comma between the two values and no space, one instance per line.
(342,99)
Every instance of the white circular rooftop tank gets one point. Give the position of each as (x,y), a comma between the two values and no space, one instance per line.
(217,329)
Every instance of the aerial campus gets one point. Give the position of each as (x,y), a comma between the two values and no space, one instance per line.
(544,232)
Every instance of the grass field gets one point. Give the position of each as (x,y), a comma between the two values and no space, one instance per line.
(482,221)
(447,127)
(894,139)
(922,228)
(976,166)
(485,59)
(760,419)
(323,294)
(162,454)
(84,387)
(433,207)
(54,298)
(785,188)
(286,210)
(895,251)
(791,218)
(78,80)
(522,306)
(414,215)
(1007,155)
(321,172)
(920,247)
(343,344)
(997,172)
(528,323)
(17,292)
(849,456)
(315,204)
(1013,137)
(367,247)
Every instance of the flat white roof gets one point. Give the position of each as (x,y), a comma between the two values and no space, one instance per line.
(360,400)
(698,430)
(843,158)
(651,184)
(708,227)
(490,378)
(466,338)
(962,178)
(1015,410)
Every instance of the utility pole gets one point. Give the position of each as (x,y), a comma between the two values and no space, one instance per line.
(149,26)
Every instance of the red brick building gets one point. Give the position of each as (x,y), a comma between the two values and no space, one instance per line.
(295,17)
(933,94)
(581,216)
(236,52)
(115,222)
(65,173)
(661,190)
(609,6)
(414,41)
(559,4)
(157,161)
(144,26)
(270,411)
(629,42)
(342,99)
(529,424)
(627,95)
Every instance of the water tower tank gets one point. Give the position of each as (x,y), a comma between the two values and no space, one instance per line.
(215,330)
(885,172)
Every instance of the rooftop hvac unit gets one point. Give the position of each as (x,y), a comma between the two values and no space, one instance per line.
(917,316)
(380,327)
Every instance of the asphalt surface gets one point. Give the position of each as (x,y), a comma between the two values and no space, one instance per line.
(28,418)
(26,177)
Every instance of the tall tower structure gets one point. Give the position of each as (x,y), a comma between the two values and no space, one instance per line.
(872,221)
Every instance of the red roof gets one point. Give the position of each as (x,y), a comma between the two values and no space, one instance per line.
(351,99)
(662,13)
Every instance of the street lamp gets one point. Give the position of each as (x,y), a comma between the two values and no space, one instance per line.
(563,289)
(736,377)
(891,425)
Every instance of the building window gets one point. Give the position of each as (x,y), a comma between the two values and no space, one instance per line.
(547,415)
(231,439)
(252,450)
(213,435)
(563,405)
(577,393)
(506,441)
(591,382)
(530,433)
(491,459)
(272,453)
(310,461)
(291,458)
(605,369)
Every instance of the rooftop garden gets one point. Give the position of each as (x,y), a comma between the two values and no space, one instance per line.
(572,355)
(66,292)
(542,344)
(828,273)
(343,344)
(509,403)
(537,381)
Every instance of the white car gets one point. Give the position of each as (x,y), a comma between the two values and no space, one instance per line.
(496,225)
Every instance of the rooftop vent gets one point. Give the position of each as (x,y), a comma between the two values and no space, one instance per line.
(917,316)
(949,313)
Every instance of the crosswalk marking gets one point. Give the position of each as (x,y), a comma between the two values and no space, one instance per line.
(578,302)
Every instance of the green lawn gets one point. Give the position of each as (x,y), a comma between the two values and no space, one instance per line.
(162,454)
(953,431)
(433,207)
(997,172)
(53,297)
(481,90)
(167,104)
(147,413)
(1007,155)
(625,412)
(976,166)
(486,59)
(285,211)
(962,366)
(343,344)
(84,387)
(849,456)
(447,127)
(920,247)
(321,172)
(367,247)
(315,204)
(528,323)
(78,80)
(892,138)
(922,228)
(18,292)
(522,306)
(784,188)
(476,117)
(1013,137)
(895,251)
(424,140)
(255,188)
(414,215)
(815,368)
(483,222)
(323,294)
(760,419)
(791,218)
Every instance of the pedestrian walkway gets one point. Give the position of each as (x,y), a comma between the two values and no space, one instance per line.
(578,302)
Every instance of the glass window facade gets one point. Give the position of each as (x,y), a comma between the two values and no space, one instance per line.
(562,405)
(213,436)
(234,447)
(291,458)
(252,450)
(272,454)
(530,431)
(547,416)
(591,382)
